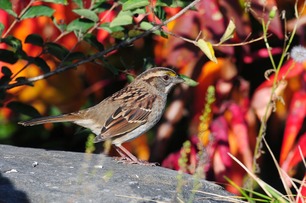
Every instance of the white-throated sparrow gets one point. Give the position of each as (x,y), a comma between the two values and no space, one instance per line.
(126,114)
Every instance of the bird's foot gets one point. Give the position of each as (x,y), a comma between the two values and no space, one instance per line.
(126,160)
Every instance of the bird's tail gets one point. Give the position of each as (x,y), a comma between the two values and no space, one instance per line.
(50,119)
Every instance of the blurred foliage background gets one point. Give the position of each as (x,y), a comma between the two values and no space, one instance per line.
(45,70)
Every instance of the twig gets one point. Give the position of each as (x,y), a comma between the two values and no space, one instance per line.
(241,43)
(217,45)
(17,19)
(74,47)
(102,53)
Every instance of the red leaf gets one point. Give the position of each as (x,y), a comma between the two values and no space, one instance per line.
(240,129)
(262,9)
(105,17)
(294,157)
(302,193)
(219,130)
(261,99)
(289,70)
(297,112)
(172,161)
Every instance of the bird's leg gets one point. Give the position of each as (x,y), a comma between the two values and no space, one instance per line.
(125,154)
(128,157)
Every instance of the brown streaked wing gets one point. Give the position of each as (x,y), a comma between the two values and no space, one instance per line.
(128,117)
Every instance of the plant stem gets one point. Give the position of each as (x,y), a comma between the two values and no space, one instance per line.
(262,130)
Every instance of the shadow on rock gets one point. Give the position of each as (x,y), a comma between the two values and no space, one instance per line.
(10,194)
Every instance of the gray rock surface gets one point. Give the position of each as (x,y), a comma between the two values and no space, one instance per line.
(37,175)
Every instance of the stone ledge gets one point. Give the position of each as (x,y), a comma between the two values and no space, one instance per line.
(38,175)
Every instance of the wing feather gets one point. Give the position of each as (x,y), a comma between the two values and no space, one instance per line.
(133,113)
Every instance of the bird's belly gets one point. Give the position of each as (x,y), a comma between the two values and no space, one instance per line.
(90,124)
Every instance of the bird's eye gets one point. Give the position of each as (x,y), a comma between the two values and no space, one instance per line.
(166,77)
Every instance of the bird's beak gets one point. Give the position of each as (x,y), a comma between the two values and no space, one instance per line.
(188,81)
(179,79)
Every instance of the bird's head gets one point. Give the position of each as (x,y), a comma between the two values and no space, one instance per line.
(163,79)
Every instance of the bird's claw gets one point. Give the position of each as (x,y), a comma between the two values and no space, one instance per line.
(126,160)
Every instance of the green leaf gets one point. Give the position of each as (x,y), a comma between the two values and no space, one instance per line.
(56,50)
(189,81)
(118,35)
(23,109)
(35,11)
(160,12)
(65,2)
(61,25)
(6,71)
(276,195)
(273,12)
(18,52)
(4,80)
(180,3)
(148,63)
(100,6)
(133,32)
(123,18)
(35,40)
(7,130)
(92,40)
(87,14)
(229,32)
(130,78)
(90,146)
(1,29)
(164,2)
(75,55)
(8,56)
(41,64)
(207,49)
(110,67)
(116,32)
(147,26)
(79,3)
(7,6)
(133,4)
(173,3)
(80,25)
(138,11)
(13,42)
(23,80)
(106,27)
(22,54)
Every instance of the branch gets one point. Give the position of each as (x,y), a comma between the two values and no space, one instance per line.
(100,54)
(216,45)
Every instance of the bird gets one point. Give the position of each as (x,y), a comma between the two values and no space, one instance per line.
(126,114)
